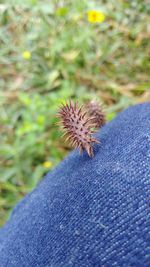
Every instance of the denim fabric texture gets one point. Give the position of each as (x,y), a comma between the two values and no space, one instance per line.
(89,212)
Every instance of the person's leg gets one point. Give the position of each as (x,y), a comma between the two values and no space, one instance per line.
(89,211)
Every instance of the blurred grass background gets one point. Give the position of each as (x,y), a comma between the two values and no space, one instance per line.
(50,52)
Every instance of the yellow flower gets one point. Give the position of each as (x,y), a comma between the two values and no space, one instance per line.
(26,55)
(47,164)
(95,16)
(40,119)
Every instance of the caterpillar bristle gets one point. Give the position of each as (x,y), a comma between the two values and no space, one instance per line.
(77,126)
(95,111)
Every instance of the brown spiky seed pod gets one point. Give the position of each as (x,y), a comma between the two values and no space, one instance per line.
(77,126)
(95,110)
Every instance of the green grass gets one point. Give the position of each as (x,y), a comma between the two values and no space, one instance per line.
(70,57)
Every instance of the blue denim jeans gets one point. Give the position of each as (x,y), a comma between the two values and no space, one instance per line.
(89,211)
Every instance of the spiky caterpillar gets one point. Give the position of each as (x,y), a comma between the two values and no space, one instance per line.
(95,110)
(77,126)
